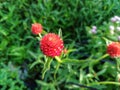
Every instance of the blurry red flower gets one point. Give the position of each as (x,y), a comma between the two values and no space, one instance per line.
(51,45)
(36,28)
(113,49)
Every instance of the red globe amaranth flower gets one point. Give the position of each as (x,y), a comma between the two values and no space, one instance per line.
(51,45)
(113,49)
(36,28)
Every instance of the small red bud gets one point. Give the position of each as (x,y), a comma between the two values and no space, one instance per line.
(36,28)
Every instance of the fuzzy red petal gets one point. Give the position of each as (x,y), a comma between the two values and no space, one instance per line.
(36,28)
(113,49)
(51,45)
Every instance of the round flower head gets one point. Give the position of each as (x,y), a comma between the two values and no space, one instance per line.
(113,19)
(112,27)
(113,49)
(94,30)
(51,45)
(36,28)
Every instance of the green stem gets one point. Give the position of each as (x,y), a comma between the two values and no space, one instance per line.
(104,56)
(118,64)
(40,35)
(116,83)
(57,67)
(106,82)
(46,66)
(118,71)
(58,59)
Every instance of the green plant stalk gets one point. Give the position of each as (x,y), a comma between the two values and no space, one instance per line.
(46,66)
(40,35)
(58,59)
(118,71)
(104,56)
(115,83)
(57,67)
(105,82)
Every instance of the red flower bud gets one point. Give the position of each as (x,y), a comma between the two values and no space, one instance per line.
(36,28)
(65,51)
(113,49)
(51,45)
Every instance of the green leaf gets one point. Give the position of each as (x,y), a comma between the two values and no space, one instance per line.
(35,63)
(74,61)
(107,40)
(60,32)
(3,44)
(3,32)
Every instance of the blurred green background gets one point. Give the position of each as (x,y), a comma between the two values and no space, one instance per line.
(19,48)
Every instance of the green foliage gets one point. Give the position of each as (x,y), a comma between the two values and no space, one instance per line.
(85,63)
(10,78)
